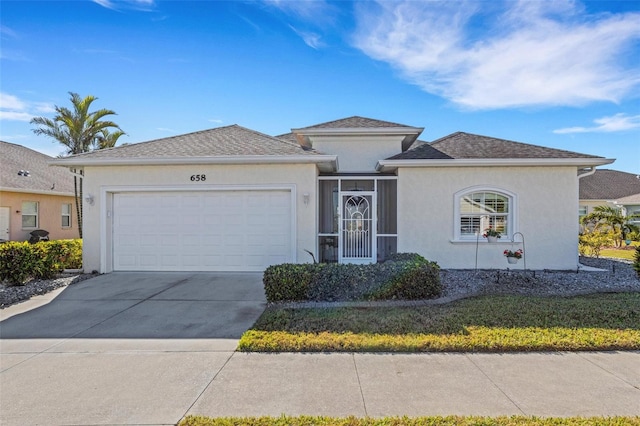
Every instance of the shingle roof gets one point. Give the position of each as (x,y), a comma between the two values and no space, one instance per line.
(462,145)
(289,137)
(42,177)
(609,185)
(353,123)
(231,140)
(423,151)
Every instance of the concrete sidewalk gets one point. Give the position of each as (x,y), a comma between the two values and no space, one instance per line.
(113,355)
(129,386)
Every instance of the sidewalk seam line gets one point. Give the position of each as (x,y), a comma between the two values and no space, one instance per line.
(495,384)
(364,403)
(607,371)
(207,386)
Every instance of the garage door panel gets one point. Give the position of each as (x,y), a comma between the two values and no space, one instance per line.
(202,231)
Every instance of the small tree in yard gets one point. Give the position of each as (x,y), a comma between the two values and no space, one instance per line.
(79,131)
(607,218)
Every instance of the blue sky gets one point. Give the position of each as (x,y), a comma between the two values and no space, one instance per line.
(563,74)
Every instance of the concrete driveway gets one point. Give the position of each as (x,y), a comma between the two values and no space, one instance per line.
(122,348)
(130,349)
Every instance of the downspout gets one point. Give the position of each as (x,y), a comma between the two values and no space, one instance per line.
(589,173)
(580,176)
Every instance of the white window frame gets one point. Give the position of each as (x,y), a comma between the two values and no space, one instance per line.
(512,216)
(36,214)
(64,215)
(583,211)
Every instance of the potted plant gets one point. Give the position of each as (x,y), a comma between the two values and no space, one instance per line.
(513,256)
(491,235)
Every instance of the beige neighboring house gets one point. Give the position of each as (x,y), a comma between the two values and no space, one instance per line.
(34,195)
(354,190)
(610,188)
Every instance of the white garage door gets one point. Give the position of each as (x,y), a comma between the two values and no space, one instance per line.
(201,231)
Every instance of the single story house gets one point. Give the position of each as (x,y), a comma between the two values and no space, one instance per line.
(350,190)
(611,188)
(34,195)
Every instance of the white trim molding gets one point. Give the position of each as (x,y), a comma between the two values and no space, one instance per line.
(392,165)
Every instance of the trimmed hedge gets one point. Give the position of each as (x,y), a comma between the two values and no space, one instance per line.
(21,261)
(636,261)
(406,276)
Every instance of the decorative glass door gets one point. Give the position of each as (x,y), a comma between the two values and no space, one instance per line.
(357,227)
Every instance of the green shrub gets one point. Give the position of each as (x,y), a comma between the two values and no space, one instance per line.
(414,281)
(289,281)
(69,252)
(591,243)
(18,262)
(405,276)
(636,261)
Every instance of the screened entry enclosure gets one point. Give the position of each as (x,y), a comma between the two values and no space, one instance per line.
(357,219)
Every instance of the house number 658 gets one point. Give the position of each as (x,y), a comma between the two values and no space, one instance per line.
(198,178)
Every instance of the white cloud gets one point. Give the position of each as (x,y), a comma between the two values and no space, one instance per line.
(126,4)
(306,9)
(11,102)
(15,116)
(615,123)
(44,107)
(530,53)
(215,120)
(6,31)
(14,109)
(310,39)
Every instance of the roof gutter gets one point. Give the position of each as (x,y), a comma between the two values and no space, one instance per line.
(36,191)
(392,165)
(324,162)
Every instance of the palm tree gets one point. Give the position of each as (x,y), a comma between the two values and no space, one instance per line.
(613,219)
(107,139)
(79,131)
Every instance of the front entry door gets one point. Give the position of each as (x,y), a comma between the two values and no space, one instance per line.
(4,223)
(357,227)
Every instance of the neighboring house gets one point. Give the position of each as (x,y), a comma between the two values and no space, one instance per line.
(350,190)
(610,188)
(34,195)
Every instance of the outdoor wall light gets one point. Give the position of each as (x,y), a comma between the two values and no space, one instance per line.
(305,198)
(89,199)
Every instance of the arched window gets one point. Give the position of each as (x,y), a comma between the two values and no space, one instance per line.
(478,209)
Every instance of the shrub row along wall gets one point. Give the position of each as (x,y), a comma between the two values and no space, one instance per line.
(21,261)
(405,276)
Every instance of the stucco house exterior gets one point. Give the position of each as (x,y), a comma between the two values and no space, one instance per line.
(34,195)
(611,188)
(350,190)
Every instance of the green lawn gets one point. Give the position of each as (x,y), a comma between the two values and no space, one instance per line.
(409,421)
(483,324)
(617,253)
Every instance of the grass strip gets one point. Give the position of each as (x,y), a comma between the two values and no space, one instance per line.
(474,339)
(484,324)
(409,421)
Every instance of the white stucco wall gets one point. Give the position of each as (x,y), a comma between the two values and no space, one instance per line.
(358,153)
(547,215)
(98,179)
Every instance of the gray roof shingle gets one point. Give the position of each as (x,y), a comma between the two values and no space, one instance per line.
(231,140)
(354,123)
(462,145)
(42,177)
(609,185)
